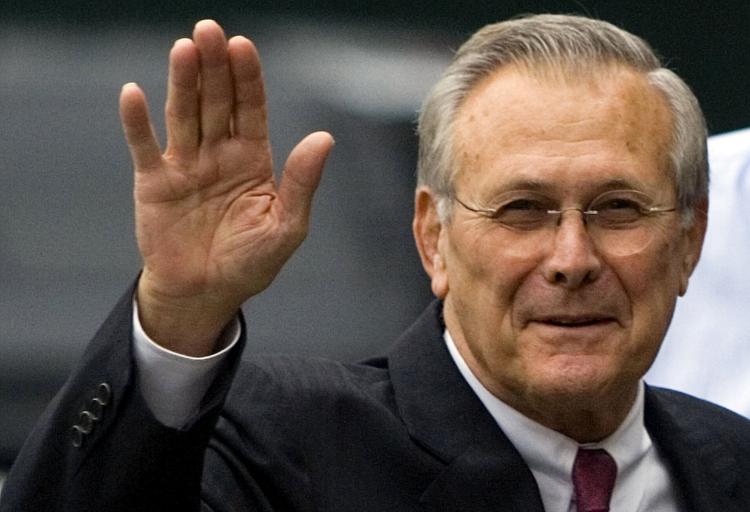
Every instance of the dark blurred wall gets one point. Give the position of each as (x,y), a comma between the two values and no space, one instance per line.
(706,42)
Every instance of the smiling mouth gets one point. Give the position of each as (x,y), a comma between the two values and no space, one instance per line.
(575,322)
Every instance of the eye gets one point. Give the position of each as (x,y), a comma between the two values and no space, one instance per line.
(618,210)
(525,204)
(522,213)
(618,204)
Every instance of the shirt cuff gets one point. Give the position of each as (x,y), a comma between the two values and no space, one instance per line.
(173,385)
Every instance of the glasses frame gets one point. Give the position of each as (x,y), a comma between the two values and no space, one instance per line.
(585,212)
(608,248)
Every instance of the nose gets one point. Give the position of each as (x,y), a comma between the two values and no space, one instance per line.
(573,259)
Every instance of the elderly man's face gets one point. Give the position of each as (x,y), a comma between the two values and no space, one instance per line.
(566,320)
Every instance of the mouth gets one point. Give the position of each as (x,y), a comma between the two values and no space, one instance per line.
(573,322)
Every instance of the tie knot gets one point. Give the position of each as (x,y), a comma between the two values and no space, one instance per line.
(594,473)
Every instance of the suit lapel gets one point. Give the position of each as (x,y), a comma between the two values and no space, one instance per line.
(704,470)
(483,471)
(481,481)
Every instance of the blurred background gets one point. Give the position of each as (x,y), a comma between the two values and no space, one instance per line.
(358,69)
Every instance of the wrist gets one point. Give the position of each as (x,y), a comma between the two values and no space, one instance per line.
(189,325)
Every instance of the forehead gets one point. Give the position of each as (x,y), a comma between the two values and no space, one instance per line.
(608,125)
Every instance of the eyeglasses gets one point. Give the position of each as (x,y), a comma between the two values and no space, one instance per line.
(619,222)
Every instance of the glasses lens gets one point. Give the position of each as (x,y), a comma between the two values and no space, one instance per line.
(621,222)
(620,209)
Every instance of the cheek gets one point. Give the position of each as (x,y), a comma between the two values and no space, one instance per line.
(482,273)
(651,282)
(483,285)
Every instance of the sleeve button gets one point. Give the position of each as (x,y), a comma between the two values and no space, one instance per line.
(77,434)
(87,421)
(104,393)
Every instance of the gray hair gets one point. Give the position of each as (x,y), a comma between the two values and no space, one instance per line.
(573,45)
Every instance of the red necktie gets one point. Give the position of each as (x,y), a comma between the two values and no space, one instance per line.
(594,473)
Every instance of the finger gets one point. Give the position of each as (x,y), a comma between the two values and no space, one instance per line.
(181,111)
(302,173)
(216,90)
(250,120)
(139,133)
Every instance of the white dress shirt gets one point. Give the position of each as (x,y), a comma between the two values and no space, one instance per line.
(707,349)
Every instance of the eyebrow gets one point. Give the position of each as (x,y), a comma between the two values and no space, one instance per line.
(544,186)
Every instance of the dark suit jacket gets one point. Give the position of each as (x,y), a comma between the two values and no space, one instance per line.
(398,433)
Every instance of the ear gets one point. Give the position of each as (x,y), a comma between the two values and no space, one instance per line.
(428,230)
(694,236)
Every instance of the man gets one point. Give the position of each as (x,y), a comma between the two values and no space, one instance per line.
(560,211)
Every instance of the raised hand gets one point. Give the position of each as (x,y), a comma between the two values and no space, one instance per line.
(212,226)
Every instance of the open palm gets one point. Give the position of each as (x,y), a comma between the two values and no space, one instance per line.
(212,226)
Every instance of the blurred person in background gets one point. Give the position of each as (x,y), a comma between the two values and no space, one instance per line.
(560,212)
(707,350)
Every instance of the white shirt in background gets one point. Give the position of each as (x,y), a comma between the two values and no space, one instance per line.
(706,352)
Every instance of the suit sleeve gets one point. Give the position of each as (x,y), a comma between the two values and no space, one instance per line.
(98,447)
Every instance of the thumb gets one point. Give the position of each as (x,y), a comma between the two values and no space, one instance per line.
(302,173)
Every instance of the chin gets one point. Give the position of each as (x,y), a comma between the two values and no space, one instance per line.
(580,379)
